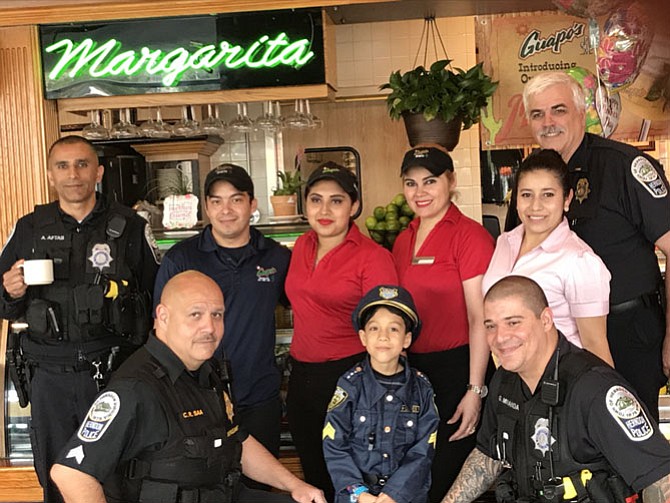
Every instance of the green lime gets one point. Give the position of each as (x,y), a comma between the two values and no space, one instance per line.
(379,212)
(403,220)
(406,210)
(391,208)
(399,200)
(393,225)
(381,226)
(377,237)
(391,217)
(370,222)
(390,239)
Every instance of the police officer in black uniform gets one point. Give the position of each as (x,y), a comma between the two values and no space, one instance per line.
(95,312)
(562,425)
(164,429)
(621,208)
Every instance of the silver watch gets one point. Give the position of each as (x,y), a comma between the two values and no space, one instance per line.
(482,390)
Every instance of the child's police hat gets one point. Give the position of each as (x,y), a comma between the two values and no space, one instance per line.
(391,296)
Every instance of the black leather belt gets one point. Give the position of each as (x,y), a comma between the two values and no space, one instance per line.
(646,299)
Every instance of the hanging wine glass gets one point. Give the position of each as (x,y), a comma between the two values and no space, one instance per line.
(124,128)
(161,129)
(242,123)
(267,121)
(95,130)
(316,122)
(186,126)
(212,125)
(298,119)
(280,118)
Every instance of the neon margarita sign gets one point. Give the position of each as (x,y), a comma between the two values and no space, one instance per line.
(106,59)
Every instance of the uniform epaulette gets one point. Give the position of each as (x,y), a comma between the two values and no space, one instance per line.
(353,372)
(421,375)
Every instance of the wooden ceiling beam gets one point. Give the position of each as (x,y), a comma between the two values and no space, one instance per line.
(17,13)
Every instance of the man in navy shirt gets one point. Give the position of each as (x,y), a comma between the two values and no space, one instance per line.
(250,269)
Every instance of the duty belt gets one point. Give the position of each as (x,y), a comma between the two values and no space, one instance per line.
(646,299)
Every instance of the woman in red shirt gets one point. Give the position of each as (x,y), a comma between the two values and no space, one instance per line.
(441,259)
(332,266)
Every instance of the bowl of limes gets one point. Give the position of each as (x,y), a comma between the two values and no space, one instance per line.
(386,222)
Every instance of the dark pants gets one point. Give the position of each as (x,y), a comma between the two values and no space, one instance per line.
(59,403)
(263,422)
(635,338)
(248,495)
(310,388)
(449,373)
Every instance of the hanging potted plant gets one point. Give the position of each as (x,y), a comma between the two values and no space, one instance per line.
(284,198)
(436,103)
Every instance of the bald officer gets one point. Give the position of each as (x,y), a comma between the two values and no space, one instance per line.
(164,430)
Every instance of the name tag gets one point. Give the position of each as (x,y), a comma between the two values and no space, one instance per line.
(423,260)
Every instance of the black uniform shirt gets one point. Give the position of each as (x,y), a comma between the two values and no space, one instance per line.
(140,254)
(620,208)
(252,281)
(127,418)
(598,425)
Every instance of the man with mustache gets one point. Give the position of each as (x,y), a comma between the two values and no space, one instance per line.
(561,424)
(622,210)
(164,430)
(95,312)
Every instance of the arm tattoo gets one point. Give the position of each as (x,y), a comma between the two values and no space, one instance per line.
(478,473)
(658,492)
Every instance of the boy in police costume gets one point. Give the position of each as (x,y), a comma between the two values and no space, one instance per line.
(381,427)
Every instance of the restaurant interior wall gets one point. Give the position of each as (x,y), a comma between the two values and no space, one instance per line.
(366,54)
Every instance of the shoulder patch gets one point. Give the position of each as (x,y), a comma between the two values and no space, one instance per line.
(99,417)
(628,413)
(338,398)
(151,242)
(645,173)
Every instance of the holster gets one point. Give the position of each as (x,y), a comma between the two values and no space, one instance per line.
(18,369)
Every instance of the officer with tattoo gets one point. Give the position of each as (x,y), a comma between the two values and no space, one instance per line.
(95,310)
(621,208)
(561,425)
(164,430)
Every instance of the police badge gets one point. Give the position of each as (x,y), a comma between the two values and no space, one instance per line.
(101,256)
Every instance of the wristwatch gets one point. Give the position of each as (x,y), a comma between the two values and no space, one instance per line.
(482,390)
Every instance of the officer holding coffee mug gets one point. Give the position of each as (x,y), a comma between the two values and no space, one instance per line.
(80,271)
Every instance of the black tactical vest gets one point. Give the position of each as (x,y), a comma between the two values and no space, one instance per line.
(200,461)
(94,293)
(525,438)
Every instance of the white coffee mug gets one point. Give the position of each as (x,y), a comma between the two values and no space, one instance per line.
(38,272)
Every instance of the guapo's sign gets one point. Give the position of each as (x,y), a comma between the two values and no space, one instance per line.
(184,54)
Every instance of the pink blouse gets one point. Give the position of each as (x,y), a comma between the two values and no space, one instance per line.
(574,279)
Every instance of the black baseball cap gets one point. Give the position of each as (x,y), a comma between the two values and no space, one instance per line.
(433,159)
(388,296)
(332,171)
(236,175)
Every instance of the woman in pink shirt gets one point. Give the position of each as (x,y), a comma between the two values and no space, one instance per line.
(543,248)
(332,267)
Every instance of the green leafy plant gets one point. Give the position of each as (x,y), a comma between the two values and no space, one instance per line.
(288,183)
(440,92)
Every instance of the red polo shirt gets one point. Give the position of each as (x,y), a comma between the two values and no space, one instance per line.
(457,249)
(323,297)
